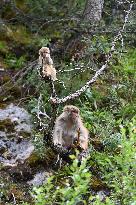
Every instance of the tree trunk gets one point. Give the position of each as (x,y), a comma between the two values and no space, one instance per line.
(93,10)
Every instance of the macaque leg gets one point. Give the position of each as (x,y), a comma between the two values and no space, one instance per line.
(84,144)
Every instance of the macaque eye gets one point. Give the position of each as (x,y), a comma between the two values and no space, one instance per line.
(74,112)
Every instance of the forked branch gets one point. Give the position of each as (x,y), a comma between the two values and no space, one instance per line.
(100,71)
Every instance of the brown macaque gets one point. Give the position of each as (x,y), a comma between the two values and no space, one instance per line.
(46,61)
(69,130)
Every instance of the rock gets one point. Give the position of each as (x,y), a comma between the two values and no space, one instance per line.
(19,139)
(2,134)
(39,178)
(6,125)
(24,150)
(2,147)
(33,159)
(7,155)
(17,117)
(15,145)
(21,173)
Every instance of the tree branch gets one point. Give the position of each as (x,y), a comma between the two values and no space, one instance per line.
(100,71)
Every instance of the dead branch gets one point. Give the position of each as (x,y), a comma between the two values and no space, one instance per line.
(55,101)
(18,77)
(100,71)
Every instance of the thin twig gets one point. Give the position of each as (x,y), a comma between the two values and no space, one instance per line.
(100,71)
(14,199)
(18,77)
(39,113)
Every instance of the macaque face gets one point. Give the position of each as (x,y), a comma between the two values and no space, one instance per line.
(44,52)
(72,112)
(74,115)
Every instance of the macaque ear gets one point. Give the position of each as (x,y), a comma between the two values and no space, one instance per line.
(65,109)
(41,51)
(48,50)
(76,111)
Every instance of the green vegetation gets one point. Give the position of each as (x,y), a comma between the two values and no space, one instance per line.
(107,175)
(110,116)
(73,184)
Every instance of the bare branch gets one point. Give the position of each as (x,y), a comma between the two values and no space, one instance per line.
(39,113)
(100,71)
(18,77)
(57,21)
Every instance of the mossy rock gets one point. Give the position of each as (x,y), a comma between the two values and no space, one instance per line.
(7,125)
(33,160)
(46,160)
(24,134)
(2,105)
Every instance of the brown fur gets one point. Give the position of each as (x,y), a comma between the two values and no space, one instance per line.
(68,128)
(46,61)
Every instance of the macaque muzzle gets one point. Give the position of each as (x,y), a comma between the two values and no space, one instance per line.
(74,114)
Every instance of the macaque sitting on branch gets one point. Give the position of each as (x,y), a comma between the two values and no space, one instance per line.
(45,60)
(69,130)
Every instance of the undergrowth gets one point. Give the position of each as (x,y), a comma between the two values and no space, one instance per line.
(107,175)
(74,183)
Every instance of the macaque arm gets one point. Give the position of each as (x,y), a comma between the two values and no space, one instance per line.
(50,61)
(58,133)
(40,60)
(83,137)
(57,136)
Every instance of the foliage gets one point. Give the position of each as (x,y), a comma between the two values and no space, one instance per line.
(3,47)
(13,62)
(71,185)
(39,145)
(111,126)
(108,107)
(71,188)
(59,8)
(119,169)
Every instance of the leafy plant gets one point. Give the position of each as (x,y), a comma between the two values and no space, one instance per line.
(119,169)
(13,62)
(70,189)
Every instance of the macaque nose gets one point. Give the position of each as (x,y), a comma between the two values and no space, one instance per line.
(74,114)
(44,54)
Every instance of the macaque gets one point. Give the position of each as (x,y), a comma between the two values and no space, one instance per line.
(69,130)
(45,60)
